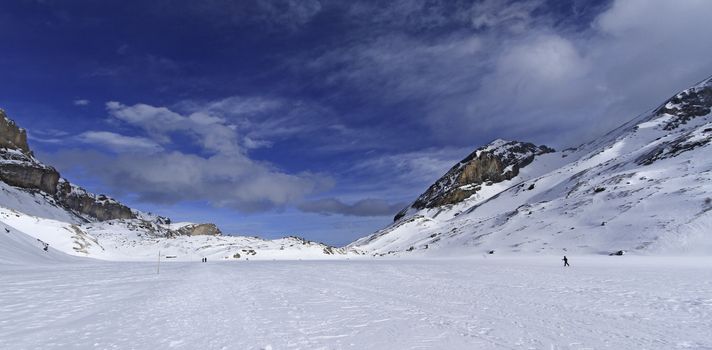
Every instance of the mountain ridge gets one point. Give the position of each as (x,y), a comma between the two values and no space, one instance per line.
(37,201)
(643,187)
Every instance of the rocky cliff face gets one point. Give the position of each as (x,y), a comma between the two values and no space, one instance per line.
(18,166)
(29,176)
(499,161)
(99,207)
(12,136)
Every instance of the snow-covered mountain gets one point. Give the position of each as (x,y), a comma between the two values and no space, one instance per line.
(35,201)
(645,187)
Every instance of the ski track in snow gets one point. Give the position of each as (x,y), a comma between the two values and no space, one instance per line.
(494,303)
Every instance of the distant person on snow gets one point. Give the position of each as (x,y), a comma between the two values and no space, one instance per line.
(566,261)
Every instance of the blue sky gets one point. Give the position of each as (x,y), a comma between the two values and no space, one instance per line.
(323,118)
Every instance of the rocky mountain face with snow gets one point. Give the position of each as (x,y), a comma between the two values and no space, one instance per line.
(12,136)
(499,161)
(20,168)
(645,187)
(37,202)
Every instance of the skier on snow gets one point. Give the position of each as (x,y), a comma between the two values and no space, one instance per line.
(566,261)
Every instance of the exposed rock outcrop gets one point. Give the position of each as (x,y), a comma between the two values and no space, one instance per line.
(687,105)
(199,230)
(12,136)
(499,161)
(18,166)
(680,110)
(29,176)
(99,207)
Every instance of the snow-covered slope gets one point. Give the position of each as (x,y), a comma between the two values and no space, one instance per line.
(32,217)
(645,187)
(17,248)
(40,207)
(132,240)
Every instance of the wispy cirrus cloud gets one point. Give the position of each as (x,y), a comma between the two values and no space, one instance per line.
(271,15)
(264,120)
(522,69)
(120,143)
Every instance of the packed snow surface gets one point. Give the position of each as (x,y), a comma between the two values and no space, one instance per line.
(628,302)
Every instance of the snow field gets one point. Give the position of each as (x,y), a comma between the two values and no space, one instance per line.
(479,303)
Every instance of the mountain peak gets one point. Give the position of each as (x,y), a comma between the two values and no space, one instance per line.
(687,105)
(497,143)
(498,161)
(12,137)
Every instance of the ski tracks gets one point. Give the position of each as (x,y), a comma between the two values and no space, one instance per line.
(449,304)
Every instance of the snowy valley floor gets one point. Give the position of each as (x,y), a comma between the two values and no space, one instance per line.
(493,303)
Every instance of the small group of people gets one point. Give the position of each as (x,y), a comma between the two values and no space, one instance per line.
(204,260)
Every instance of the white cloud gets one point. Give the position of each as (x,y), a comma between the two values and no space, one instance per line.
(249,143)
(222,180)
(120,143)
(270,15)
(236,105)
(210,132)
(264,121)
(655,20)
(545,59)
(497,14)
(81,102)
(158,169)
